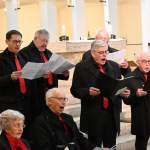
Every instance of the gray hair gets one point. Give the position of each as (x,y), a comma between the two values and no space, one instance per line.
(51,92)
(8,116)
(41,32)
(97,43)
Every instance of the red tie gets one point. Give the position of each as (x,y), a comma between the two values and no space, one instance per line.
(105,99)
(50,75)
(22,83)
(145,77)
(64,124)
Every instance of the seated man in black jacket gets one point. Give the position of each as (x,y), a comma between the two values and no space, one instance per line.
(54,130)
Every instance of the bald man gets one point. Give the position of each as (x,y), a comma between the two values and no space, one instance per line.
(139,100)
(102,34)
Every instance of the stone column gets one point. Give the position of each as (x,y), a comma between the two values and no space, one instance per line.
(110,16)
(145,23)
(49,18)
(78,19)
(12,14)
(113,11)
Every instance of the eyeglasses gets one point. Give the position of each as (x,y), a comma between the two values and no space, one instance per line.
(145,61)
(64,99)
(16,42)
(102,52)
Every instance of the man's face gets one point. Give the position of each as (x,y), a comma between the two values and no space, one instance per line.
(103,35)
(41,42)
(144,64)
(14,43)
(100,55)
(57,103)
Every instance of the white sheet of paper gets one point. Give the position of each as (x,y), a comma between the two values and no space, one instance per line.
(58,64)
(33,70)
(117,56)
(120,91)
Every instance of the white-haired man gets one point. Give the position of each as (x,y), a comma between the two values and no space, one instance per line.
(37,51)
(139,100)
(55,130)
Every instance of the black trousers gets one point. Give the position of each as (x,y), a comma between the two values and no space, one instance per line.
(108,133)
(141,142)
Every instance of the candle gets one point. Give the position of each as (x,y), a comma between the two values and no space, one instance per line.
(63,29)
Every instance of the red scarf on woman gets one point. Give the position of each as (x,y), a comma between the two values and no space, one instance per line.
(15,143)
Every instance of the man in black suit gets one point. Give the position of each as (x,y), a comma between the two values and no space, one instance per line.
(55,130)
(37,51)
(14,90)
(100,114)
(139,100)
(103,35)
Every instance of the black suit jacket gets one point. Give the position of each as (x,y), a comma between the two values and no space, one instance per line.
(40,85)
(140,107)
(4,144)
(10,95)
(49,133)
(86,75)
(87,56)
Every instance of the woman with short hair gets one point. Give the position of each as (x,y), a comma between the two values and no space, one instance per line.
(12,124)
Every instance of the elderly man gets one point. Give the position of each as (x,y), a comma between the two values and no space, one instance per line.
(100,115)
(55,130)
(103,35)
(139,100)
(37,51)
(12,124)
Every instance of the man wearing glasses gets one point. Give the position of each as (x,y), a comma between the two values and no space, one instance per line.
(100,114)
(55,130)
(139,100)
(14,90)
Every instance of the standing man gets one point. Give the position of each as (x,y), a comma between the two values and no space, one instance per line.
(37,51)
(139,100)
(100,115)
(103,35)
(14,90)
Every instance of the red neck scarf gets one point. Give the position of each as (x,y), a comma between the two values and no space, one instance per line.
(15,143)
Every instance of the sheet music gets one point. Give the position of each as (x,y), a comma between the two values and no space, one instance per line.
(117,56)
(57,64)
(33,70)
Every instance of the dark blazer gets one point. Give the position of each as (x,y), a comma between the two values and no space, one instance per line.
(49,133)
(4,144)
(10,95)
(140,112)
(87,55)
(40,85)
(86,75)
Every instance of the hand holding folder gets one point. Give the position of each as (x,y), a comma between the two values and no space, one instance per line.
(110,86)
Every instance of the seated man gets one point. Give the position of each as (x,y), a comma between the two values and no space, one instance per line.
(54,130)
